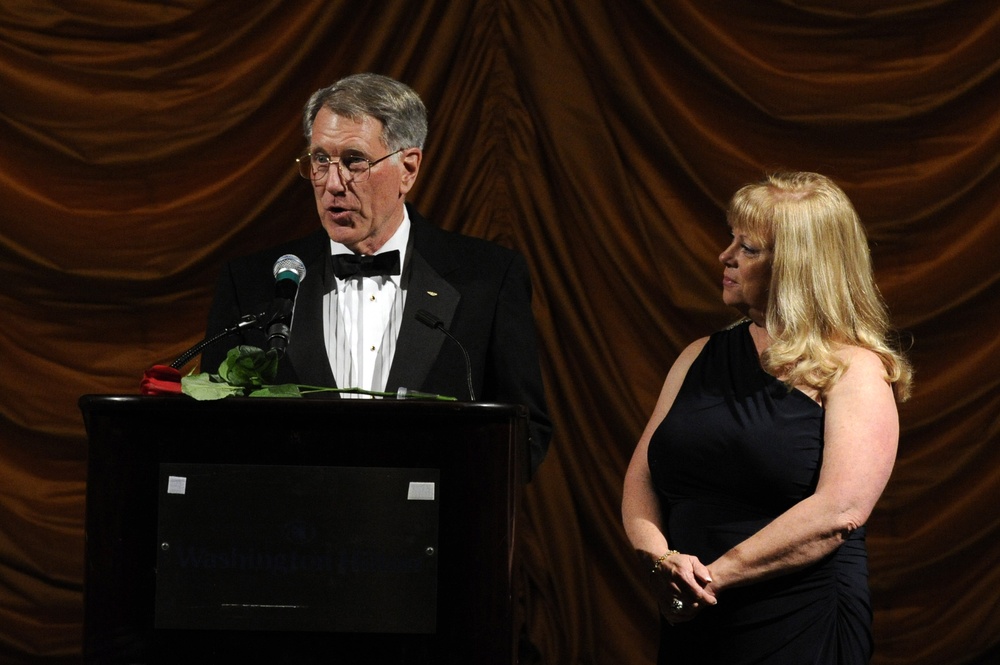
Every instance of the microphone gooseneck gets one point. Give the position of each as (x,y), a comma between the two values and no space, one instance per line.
(246,320)
(434,322)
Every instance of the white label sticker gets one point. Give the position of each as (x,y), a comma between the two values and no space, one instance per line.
(176,484)
(420,492)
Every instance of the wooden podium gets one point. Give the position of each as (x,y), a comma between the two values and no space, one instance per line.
(301,530)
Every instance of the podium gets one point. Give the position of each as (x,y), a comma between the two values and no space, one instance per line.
(272,530)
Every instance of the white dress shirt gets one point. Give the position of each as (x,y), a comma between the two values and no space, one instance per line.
(362,316)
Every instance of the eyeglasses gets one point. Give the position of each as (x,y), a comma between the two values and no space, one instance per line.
(315,166)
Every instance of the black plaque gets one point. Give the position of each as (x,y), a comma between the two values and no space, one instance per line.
(254,547)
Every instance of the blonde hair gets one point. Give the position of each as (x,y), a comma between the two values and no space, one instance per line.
(822,294)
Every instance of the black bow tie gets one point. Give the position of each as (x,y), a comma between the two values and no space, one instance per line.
(346,266)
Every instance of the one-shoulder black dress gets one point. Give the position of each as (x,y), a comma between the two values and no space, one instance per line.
(737,449)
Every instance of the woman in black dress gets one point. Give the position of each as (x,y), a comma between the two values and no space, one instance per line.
(770,443)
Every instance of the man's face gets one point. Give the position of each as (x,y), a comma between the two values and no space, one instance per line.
(360,215)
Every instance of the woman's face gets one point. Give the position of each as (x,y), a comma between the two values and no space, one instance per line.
(746,277)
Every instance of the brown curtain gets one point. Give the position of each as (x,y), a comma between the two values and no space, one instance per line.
(144,143)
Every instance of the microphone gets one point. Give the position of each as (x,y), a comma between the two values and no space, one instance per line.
(289,271)
(434,322)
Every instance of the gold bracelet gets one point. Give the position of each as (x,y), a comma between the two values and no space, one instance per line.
(656,564)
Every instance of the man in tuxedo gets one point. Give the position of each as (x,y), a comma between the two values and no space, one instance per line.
(376,263)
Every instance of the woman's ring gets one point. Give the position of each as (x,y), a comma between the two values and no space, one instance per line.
(677,605)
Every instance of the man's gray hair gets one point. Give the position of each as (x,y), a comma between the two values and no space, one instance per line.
(394,104)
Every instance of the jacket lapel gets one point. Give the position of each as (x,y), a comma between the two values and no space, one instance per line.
(306,355)
(418,345)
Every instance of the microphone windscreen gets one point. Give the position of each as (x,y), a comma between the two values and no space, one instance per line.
(290,267)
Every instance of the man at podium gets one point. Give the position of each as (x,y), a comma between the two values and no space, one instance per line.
(386,299)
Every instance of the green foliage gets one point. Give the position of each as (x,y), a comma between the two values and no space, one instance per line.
(249,367)
(281,390)
(246,371)
(202,387)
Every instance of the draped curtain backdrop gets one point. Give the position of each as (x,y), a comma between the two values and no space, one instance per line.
(142,144)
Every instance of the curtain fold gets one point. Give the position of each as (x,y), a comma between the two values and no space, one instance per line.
(144,144)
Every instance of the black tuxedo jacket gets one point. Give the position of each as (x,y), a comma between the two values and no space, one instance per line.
(480,290)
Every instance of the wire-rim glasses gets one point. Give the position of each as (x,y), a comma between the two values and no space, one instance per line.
(315,166)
